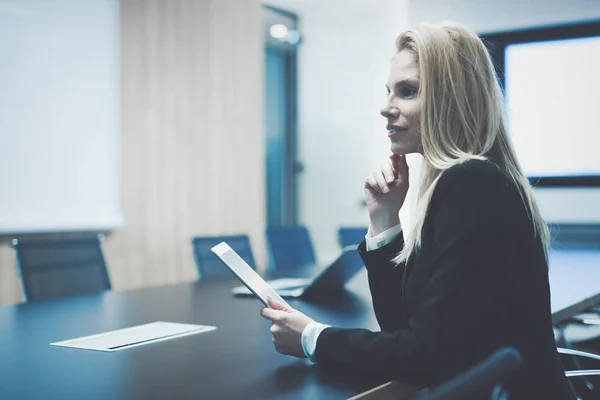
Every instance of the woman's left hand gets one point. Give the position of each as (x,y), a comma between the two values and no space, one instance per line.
(287,327)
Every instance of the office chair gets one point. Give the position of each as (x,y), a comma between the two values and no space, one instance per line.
(290,247)
(54,268)
(585,385)
(483,381)
(577,378)
(209,266)
(580,379)
(348,236)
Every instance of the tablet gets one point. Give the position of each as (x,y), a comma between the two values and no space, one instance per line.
(246,274)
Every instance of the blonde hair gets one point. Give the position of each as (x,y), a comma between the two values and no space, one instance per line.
(462,116)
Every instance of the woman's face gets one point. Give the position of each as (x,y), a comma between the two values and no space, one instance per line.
(403,106)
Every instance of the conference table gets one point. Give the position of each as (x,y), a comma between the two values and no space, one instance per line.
(235,361)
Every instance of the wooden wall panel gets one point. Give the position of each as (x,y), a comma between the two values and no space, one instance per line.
(192,138)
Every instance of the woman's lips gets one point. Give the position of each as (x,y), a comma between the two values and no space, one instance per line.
(394,130)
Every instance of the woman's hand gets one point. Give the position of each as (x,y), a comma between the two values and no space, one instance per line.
(385,192)
(287,327)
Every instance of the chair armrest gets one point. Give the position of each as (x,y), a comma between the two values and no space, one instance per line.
(582,372)
(578,353)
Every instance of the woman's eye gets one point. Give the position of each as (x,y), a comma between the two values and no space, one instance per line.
(408,91)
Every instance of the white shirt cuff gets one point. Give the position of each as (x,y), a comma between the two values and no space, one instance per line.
(385,237)
(310,334)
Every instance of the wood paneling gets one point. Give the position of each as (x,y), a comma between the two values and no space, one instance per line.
(192,142)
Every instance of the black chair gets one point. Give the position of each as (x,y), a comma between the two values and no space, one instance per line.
(54,268)
(483,381)
(290,247)
(583,381)
(349,236)
(578,363)
(209,266)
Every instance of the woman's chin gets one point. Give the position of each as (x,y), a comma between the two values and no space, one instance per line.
(398,149)
(402,148)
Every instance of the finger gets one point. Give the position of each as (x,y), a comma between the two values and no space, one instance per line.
(371,184)
(402,166)
(265,312)
(279,349)
(380,179)
(276,305)
(394,160)
(274,329)
(271,315)
(282,350)
(388,172)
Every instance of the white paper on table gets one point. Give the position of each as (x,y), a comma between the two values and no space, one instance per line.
(134,336)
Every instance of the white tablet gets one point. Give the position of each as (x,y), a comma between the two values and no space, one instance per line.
(246,274)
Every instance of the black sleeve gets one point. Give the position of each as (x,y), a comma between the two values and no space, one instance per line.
(475,242)
(385,283)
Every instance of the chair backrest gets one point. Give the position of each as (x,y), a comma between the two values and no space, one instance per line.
(348,236)
(209,266)
(53,268)
(483,381)
(290,247)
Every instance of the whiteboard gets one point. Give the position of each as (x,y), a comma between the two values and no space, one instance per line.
(59,126)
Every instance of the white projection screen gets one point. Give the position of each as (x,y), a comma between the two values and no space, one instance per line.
(553,105)
(59,129)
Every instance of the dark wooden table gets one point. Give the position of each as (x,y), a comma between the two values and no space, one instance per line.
(237,361)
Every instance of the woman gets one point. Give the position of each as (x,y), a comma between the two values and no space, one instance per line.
(472,275)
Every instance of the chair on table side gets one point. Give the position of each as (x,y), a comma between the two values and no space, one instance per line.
(209,266)
(350,236)
(585,385)
(483,381)
(290,247)
(61,267)
(583,382)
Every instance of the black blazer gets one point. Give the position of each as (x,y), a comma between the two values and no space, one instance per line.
(478,283)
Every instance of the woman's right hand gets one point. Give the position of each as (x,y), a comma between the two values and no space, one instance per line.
(385,192)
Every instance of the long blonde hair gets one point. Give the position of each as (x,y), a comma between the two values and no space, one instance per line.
(462,117)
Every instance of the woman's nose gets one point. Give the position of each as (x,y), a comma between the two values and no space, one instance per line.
(389,111)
